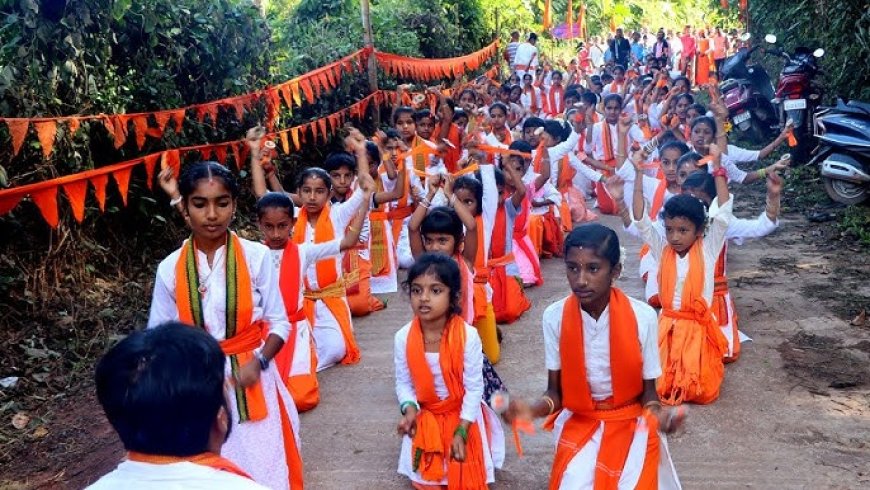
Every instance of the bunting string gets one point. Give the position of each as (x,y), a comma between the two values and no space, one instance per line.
(423,69)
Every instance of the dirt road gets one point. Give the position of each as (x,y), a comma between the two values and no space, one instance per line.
(794,410)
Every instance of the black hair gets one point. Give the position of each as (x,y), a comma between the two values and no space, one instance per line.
(597,237)
(507,88)
(521,146)
(195,172)
(315,173)
(392,134)
(533,122)
(446,270)
(499,177)
(533,37)
(374,153)
(498,105)
(467,91)
(618,67)
(572,93)
(402,110)
(691,156)
(589,97)
(682,78)
(557,129)
(450,103)
(474,186)
(687,96)
(442,219)
(162,388)
(422,114)
(556,72)
(605,78)
(276,200)
(336,160)
(689,207)
(699,108)
(611,97)
(709,121)
(674,144)
(459,114)
(700,179)
(665,137)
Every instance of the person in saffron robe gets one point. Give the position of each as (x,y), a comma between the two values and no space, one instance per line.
(451,438)
(227,286)
(179,443)
(602,364)
(691,344)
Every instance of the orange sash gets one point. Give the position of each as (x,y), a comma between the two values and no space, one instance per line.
(556,100)
(438,419)
(691,345)
(533,105)
(521,230)
(566,183)
(451,155)
(658,200)
(619,413)
(378,239)
(242,334)
(290,286)
(323,232)
(720,305)
(607,144)
(209,459)
(539,158)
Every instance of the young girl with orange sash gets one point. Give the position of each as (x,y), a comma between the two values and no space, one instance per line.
(500,135)
(691,344)
(227,286)
(509,301)
(526,255)
(383,229)
(325,303)
(451,438)
(602,363)
(296,361)
(554,100)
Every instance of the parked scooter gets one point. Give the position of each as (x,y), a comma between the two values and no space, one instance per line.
(747,92)
(844,150)
(797,97)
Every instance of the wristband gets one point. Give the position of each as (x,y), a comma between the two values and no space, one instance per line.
(175,201)
(720,172)
(461,432)
(264,363)
(404,406)
(762,173)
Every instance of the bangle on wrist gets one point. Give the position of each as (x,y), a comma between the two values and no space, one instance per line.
(175,200)
(762,173)
(551,405)
(652,403)
(720,172)
(264,363)
(404,406)
(461,432)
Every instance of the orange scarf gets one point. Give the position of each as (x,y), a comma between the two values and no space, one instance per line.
(532,93)
(323,233)
(556,102)
(607,144)
(209,459)
(438,419)
(497,244)
(378,237)
(622,409)
(290,285)
(658,200)
(539,158)
(691,344)
(242,334)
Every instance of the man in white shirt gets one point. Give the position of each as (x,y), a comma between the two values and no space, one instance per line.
(162,390)
(526,58)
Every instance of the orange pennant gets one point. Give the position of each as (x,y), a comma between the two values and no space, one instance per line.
(8,203)
(178,119)
(297,96)
(220,154)
(73,125)
(120,130)
(122,178)
(140,126)
(323,130)
(306,89)
(170,158)
(285,144)
(110,126)
(46,131)
(162,119)
(239,105)
(286,95)
(150,163)
(99,182)
(76,192)
(294,133)
(46,201)
(18,131)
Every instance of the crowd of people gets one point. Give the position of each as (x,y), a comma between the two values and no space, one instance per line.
(468,190)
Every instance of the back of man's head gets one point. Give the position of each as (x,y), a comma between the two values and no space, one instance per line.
(162,388)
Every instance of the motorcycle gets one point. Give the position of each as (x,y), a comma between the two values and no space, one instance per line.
(747,92)
(844,150)
(796,96)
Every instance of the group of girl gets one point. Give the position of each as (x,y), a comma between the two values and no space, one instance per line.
(468,199)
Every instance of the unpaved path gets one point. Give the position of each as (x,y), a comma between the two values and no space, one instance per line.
(794,410)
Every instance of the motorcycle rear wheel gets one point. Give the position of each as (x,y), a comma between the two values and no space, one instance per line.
(845,192)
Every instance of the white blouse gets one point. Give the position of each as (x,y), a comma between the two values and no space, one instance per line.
(268,304)
(472,372)
(596,344)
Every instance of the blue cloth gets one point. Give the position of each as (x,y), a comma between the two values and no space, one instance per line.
(637,51)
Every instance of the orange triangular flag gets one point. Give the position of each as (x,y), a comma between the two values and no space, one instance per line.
(162,119)
(313,127)
(46,131)
(170,158)
(109,125)
(73,125)
(99,182)
(330,80)
(150,163)
(18,131)
(242,152)
(46,201)
(285,145)
(205,153)
(76,192)
(178,118)
(239,105)
(286,94)
(294,134)
(305,84)
(120,123)
(140,126)
(297,96)
(8,203)
(122,178)
(220,154)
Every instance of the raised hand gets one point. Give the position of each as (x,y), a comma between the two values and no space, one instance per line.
(168,183)
(615,186)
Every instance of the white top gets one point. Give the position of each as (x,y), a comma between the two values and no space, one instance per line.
(472,372)
(650,186)
(596,344)
(340,214)
(489,206)
(655,115)
(309,253)
(720,217)
(555,153)
(130,475)
(526,101)
(634,134)
(526,54)
(583,171)
(266,297)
